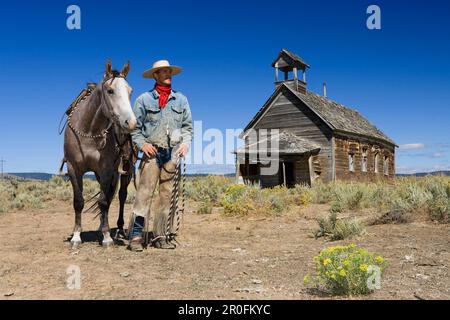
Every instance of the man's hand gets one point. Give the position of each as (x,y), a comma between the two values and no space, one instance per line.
(183,149)
(149,150)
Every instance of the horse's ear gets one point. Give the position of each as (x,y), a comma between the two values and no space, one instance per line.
(125,69)
(108,69)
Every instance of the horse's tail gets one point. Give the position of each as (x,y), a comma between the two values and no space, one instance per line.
(60,171)
(94,206)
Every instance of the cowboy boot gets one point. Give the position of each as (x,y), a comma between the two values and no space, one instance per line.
(163,244)
(136,234)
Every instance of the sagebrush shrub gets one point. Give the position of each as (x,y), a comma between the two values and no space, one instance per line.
(235,201)
(337,229)
(348,270)
(205,208)
(209,188)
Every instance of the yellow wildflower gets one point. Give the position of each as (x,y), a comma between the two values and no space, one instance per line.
(306,279)
(379,259)
(363,267)
(342,273)
(346,263)
(326,261)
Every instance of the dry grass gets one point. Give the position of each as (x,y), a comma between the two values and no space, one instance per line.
(429,195)
(338,229)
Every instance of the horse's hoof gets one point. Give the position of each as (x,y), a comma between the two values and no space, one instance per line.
(75,244)
(107,243)
(76,239)
(120,234)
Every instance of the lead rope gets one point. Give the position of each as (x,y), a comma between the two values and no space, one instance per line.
(180,212)
(174,199)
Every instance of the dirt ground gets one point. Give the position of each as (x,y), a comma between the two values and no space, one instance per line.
(219,258)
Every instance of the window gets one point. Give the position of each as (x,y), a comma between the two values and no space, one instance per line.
(376,162)
(350,162)
(364,160)
(386,165)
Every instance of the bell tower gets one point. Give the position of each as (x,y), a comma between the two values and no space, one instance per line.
(292,66)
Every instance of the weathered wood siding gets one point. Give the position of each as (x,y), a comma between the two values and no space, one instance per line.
(298,85)
(301,170)
(346,145)
(287,113)
(269,181)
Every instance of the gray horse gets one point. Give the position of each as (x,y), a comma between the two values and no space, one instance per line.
(97,139)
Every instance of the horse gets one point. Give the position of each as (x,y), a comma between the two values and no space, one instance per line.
(98,139)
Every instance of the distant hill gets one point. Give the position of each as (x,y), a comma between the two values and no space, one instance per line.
(36,176)
(29,175)
(48,176)
(424,174)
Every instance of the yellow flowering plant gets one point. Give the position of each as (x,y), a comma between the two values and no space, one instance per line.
(236,202)
(348,270)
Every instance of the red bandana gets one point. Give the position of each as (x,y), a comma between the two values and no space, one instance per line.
(164,92)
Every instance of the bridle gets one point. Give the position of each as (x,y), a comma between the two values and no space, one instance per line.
(105,131)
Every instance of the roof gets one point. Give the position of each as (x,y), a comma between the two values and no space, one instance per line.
(295,59)
(289,143)
(341,117)
(337,116)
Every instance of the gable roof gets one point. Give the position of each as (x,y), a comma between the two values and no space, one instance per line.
(337,116)
(292,58)
(260,112)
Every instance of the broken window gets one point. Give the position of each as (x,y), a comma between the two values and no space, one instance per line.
(386,165)
(376,162)
(364,160)
(350,162)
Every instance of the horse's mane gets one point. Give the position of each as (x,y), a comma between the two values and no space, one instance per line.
(115,73)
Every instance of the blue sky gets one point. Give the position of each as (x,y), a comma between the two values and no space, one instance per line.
(398,77)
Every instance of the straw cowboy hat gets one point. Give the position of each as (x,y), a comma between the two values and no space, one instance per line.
(159,65)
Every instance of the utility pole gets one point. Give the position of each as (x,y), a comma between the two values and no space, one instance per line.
(1,162)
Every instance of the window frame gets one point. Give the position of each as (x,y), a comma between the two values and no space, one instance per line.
(351,162)
(364,160)
(376,162)
(386,165)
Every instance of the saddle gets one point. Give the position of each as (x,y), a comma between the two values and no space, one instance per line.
(82,95)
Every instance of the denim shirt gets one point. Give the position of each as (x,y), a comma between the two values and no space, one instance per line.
(162,127)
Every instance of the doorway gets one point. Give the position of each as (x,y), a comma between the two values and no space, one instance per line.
(286,171)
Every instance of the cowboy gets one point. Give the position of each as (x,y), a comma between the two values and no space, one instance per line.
(163,133)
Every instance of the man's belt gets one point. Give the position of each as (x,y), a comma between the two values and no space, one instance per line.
(159,148)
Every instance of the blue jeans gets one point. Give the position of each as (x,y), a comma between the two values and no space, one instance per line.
(138,225)
(163,156)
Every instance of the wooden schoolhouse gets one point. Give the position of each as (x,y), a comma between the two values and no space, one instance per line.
(318,138)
